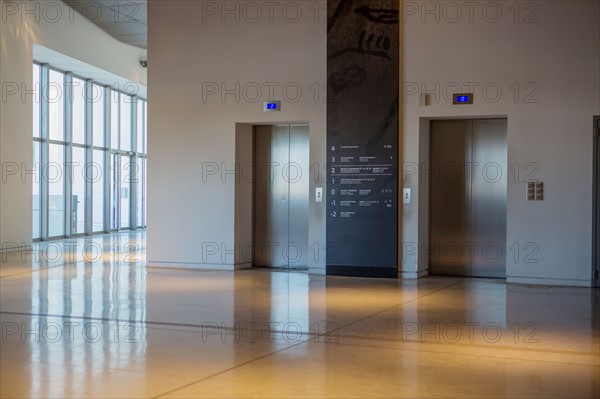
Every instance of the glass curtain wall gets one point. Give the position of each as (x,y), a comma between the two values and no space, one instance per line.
(89,156)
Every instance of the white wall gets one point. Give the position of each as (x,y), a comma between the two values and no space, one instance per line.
(55,26)
(191,47)
(559,54)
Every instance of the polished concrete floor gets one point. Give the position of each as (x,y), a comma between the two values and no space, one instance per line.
(86,318)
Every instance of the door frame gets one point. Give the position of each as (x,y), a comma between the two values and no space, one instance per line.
(285,262)
(244,200)
(428,132)
(596,211)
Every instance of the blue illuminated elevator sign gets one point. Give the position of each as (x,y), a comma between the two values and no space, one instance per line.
(272,106)
(462,98)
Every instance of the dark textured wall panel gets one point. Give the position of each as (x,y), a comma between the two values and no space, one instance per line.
(362,137)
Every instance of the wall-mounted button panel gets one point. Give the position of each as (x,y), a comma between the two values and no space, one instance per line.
(535,191)
(406,196)
(539,191)
(319,194)
(531,191)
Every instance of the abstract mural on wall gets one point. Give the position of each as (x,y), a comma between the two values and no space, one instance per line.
(362,137)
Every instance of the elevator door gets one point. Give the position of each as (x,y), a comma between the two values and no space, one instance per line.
(468,198)
(281,196)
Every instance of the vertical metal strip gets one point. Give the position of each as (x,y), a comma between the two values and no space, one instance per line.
(144,150)
(117,191)
(89,156)
(107,165)
(289,198)
(117,166)
(596,206)
(68,149)
(44,150)
(133,169)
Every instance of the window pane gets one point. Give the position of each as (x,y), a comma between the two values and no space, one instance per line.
(125,116)
(56,191)
(78,111)
(56,104)
(140,126)
(125,190)
(114,120)
(97,177)
(36,100)
(78,191)
(98,118)
(36,190)
(114,199)
(139,192)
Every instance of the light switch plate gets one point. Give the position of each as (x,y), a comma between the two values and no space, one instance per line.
(406,196)
(319,194)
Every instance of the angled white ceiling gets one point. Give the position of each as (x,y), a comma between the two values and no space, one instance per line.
(125,20)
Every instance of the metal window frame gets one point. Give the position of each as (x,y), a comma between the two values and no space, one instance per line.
(133,182)
(89,157)
(89,147)
(68,153)
(86,194)
(44,149)
(107,163)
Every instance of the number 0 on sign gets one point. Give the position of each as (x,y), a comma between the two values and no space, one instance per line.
(462,98)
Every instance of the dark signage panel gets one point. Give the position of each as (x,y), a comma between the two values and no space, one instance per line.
(362,138)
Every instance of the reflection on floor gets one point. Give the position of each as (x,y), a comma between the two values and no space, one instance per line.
(86,318)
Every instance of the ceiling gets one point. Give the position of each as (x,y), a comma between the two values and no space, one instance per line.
(125,20)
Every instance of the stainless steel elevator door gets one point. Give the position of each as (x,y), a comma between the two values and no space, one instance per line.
(450,193)
(468,187)
(488,198)
(281,195)
(299,185)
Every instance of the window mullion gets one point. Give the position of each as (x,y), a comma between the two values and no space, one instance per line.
(133,172)
(44,150)
(68,151)
(88,170)
(107,165)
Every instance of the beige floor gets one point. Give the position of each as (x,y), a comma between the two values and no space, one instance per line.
(111,327)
